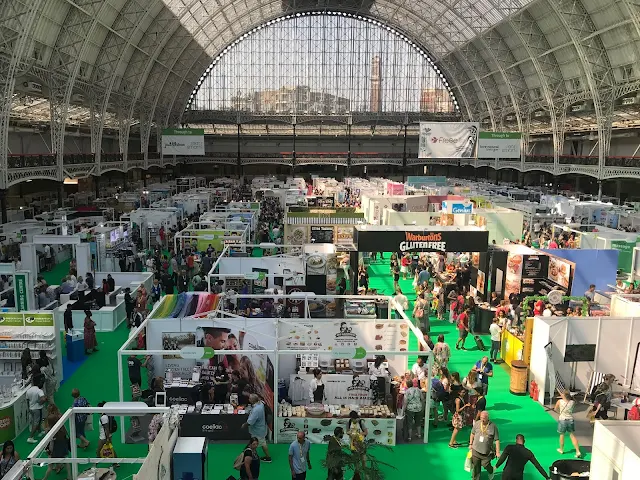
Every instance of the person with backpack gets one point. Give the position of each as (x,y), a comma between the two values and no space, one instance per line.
(566,423)
(601,397)
(248,462)
(108,427)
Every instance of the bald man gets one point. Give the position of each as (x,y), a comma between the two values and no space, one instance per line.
(483,435)
(517,457)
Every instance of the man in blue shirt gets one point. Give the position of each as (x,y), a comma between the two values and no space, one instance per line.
(423,276)
(257,423)
(485,370)
(299,460)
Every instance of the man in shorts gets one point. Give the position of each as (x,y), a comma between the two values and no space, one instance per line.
(257,423)
(36,399)
(463,328)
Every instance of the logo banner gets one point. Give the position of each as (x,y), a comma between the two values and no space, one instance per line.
(22,303)
(183,141)
(499,144)
(448,140)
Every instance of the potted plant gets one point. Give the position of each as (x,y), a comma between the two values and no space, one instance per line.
(359,458)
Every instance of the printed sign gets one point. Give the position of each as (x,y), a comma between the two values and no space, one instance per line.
(180,141)
(196,353)
(38,320)
(499,144)
(448,139)
(21,292)
(422,241)
(11,320)
(457,207)
(7,425)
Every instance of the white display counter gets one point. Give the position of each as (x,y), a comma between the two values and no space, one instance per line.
(14,415)
(320,430)
(107,319)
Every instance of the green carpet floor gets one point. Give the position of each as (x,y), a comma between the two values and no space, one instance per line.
(97,380)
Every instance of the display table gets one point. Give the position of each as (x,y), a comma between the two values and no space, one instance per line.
(484,319)
(215,427)
(320,430)
(512,347)
(339,388)
(14,415)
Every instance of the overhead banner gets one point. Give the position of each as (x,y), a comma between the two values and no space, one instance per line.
(448,139)
(183,141)
(22,303)
(499,145)
(422,241)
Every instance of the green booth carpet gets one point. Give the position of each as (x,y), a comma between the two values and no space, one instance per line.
(97,380)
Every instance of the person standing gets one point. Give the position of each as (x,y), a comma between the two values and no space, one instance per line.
(413,407)
(316,387)
(421,313)
(483,435)
(36,398)
(68,319)
(463,329)
(335,472)
(517,457)
(80,418)
(129,305)
(134,365)
(401,300)
(396,278)
(485,370)
(566,424)
(441,355)
(9,457)
(48,258)
(90,340)
(299,458)
(458,416)
(257,423)
(250,468)
(496,338)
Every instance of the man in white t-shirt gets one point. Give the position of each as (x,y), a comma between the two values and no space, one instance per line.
(401,300)
(47,256)
(105,431)
(419,369)
(36,399)
(496,338)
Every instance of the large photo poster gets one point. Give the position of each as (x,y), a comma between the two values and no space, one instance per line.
(448,139)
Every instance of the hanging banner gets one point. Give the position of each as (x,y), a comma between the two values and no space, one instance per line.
(12,320)
(499,144)
(183,141)
(38,320)
(22,303)
(448,139)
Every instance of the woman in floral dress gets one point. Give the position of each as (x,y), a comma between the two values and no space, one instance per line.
(441,355)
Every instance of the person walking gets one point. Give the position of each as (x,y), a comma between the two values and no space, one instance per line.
(334,472)
(80,418)
(250,468)
(517,456)
(413,407)
(36,399)
(90,340)
(421,313)
(299,458)
(463,329)
(458,416)
(484,434)
(496,338)
(566,424)
(441,355)
(257,423)
(485,370)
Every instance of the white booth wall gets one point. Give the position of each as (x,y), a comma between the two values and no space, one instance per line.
(502,223)
(615,453)
(276,266)
(615,338)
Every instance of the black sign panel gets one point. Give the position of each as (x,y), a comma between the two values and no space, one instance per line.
(214,427)
(422,241)
(296,306)
(535,266)
(182,395)
(321,234)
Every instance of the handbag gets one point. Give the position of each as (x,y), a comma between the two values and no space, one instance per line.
(107,451)
(419,313)
(467,462)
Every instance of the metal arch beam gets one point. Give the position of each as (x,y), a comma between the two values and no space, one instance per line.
(543,76)
(82,20)
(263,20)
(26,17)
(117,57)
(596,66)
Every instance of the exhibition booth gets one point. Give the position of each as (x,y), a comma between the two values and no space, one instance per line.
(35,330)
(107,311)
(570,350)
(197,237)
(282,352)
(502,223)
(320,225)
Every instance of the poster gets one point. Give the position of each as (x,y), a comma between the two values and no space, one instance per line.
(513,278)
(183,141)
(379,335)
(255,369)
(21,292)
(535,266)
(179,366)
(499,144)
(321,234)
(344,235)
(295,307)
(297,236)
(320,430)
(559,271)
(317,264)
(261,283)
(38,320)
(625,257)
(11,319)
(480,283)
(448,139)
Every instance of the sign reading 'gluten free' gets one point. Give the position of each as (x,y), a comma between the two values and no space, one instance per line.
(422,241)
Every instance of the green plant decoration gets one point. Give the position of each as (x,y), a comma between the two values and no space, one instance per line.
(359,459)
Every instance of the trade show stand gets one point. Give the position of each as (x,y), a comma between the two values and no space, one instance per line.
(213,423)
(107,318)
(14,413)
